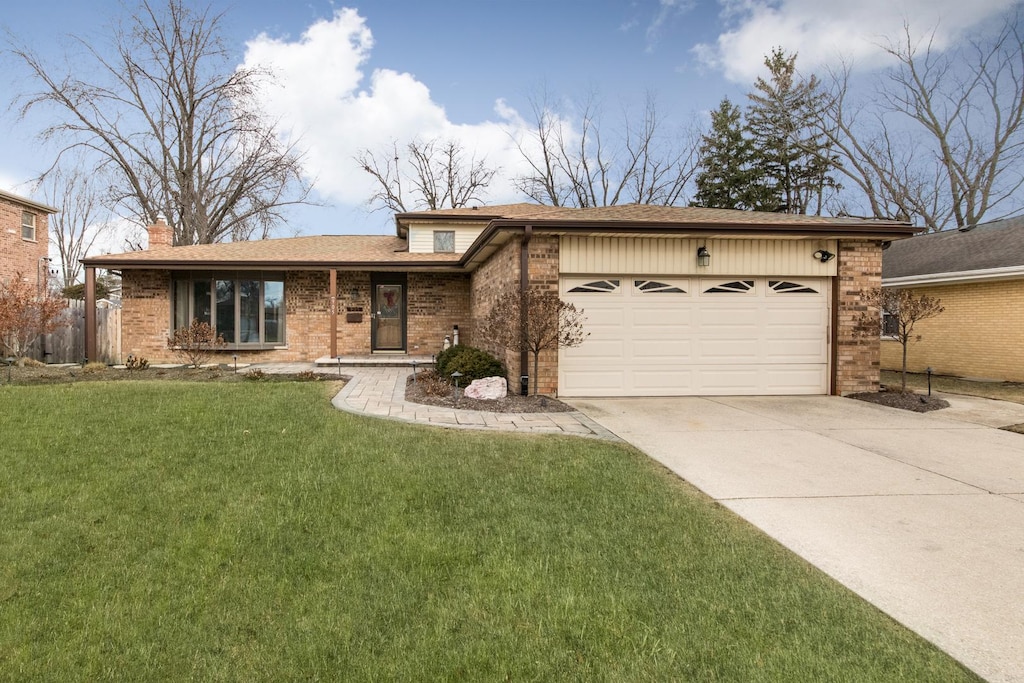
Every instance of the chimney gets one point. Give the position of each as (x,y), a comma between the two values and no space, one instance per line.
(160,234)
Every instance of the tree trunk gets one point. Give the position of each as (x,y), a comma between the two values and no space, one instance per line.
(905,342)
(536,363)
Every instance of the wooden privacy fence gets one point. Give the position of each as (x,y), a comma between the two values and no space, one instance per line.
(67,344)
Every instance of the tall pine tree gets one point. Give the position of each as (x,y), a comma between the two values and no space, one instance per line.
(781,121)
(731,174)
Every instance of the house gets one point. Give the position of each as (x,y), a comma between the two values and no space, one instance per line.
(24,238)
(978,274)
(678,301)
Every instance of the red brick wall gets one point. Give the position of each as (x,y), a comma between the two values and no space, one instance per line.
(18,255)
(436,302)
(857,355)
(543,271)
(500,275)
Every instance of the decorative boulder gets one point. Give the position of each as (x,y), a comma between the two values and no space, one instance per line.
(488,389)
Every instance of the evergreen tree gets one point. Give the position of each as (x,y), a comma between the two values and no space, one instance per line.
(730,175)
(797,158)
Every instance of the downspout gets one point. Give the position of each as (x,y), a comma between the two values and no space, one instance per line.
(524,287)
(835,389)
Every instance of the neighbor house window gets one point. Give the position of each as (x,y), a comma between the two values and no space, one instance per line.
(444,240)
(246,309)
(28,225)
(890,324)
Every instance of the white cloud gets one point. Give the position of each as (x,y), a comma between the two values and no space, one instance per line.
(323,97)
(826,31)
(667,10)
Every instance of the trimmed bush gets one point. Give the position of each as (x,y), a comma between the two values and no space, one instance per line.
(472,362)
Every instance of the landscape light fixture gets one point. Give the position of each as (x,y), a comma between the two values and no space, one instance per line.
(455,391)
(703,256)
(824,255)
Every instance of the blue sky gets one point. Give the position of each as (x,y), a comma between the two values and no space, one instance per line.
(360,74)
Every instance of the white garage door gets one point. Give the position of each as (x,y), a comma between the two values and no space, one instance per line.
(697,336)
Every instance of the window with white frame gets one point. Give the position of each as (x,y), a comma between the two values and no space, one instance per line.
(28,226)
(444,241)
(246,309)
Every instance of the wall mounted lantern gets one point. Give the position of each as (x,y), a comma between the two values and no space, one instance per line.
(703,256)
(824,255)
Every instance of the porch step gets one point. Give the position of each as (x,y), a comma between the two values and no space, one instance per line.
(390,360)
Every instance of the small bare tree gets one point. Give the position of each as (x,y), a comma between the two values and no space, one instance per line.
(26,313)
(533,321)
(434,174)
(904,310)
(195,343)
(163,107)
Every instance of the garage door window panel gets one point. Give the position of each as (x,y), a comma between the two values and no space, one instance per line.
(787,287)
(596,287)
(731,287)
(656,287)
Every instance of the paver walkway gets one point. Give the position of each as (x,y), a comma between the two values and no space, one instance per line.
(380,392)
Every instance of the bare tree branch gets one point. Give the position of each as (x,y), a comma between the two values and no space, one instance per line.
(944,139)
(81,218)
(435,174)
(176,123)
(570,167)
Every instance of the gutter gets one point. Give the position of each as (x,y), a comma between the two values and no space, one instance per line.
(882,231)
(953,277)
(177,264)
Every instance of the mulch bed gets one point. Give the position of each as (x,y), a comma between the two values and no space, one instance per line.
(918,403)
(431,391)
(95,372)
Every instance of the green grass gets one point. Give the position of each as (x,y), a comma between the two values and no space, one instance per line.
(172,531)
(1003,391)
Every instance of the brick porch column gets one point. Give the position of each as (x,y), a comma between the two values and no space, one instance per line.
(856,356)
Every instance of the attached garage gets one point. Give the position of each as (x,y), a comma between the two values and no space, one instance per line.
(678,336)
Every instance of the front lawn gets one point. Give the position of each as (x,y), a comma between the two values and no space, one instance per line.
(171,531)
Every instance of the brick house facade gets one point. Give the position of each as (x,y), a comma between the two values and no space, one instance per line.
(977,273)
(309,298)
(24,237)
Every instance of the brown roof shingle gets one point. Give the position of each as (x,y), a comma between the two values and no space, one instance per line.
(999,244)
(322,250)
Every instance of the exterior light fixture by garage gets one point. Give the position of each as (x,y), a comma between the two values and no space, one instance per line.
(824,255)
(703,256)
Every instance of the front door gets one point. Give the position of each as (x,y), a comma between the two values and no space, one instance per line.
(387,330)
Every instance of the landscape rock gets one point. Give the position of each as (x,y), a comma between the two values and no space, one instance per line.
(488,389)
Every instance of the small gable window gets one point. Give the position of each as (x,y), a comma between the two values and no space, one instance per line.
(652,287)
(28,225)
(444,241)
(597,286)
(735,287)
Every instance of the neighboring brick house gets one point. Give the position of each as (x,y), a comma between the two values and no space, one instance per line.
(24,238)
(978,274)
(678,301)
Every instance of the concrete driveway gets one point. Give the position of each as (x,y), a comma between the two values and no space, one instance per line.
(920,514)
